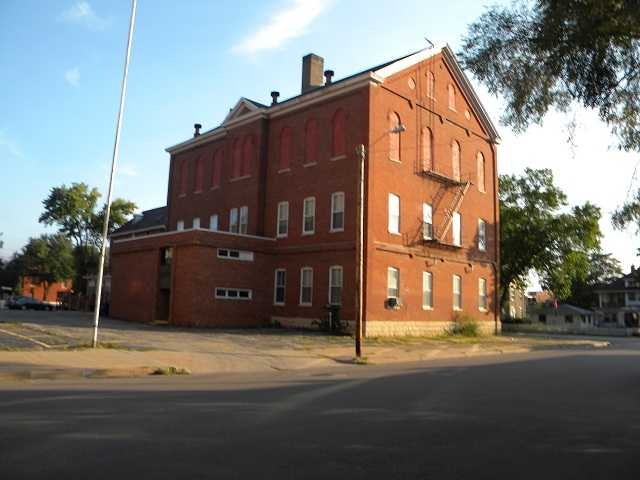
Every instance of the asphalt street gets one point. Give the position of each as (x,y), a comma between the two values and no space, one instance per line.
(540,415)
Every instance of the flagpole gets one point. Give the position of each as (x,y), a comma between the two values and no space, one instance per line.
(114,160)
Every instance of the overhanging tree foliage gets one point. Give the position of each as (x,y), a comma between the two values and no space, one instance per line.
(539,234)
(546,54)
(75,211)
(602,268)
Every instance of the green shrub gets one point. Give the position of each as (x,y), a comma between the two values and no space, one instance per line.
(464,326)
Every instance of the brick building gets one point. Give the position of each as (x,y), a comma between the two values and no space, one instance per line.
(35,287)
(262,211)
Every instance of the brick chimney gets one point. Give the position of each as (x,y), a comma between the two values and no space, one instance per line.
(312,72)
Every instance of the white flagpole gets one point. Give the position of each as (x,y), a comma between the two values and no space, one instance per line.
(114,160)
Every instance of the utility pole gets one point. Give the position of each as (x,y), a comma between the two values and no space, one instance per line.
(114,159)
(360,151)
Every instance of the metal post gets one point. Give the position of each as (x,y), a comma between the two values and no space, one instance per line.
(114,159)
(360,150)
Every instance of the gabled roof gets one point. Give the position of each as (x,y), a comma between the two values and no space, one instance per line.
(154,219)
(619,284)
(244,107)
(564,309)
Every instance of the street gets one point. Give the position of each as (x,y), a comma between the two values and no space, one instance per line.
(550,414)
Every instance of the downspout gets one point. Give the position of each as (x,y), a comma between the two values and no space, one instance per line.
(496,224)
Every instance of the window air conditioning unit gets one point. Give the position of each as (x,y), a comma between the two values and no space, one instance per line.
(392,302)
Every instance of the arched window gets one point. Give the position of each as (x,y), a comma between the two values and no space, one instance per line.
(427,149)
(394,136)
(237,158)
(480,167)
(451,93)
(216,168)
(248,152)
(455,159)
(311,141)
(338,135)
(182,178)
(285,148)
(431,84)
(199,175)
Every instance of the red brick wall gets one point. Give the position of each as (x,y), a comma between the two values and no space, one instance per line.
(386,176)
(134,284)
(33,287)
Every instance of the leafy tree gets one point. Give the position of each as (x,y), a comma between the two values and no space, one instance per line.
(538,233)
(548,53)
(10,273)
(602,268)
(1,241)
(49,258)
(75,211)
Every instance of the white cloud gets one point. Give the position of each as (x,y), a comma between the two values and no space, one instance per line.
(290,22)
(8,145)
(128,170)
(82,13)
(72,76)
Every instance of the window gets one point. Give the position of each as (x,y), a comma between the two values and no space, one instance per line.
(248,153)
(455,159)
(427,222)
(180,225)
(427,149)
(216,169)
(306,286)
(244,219)
(393,282)
(457,292)
(233,220)
(199,180)
(283,219)
(394,136)
(279,286)
(337,212)
(244,255)
(183,177)
(335,285)
(457,229)
(427,290)
(309,216)
(482,294)
(480,167)
(451,94)
(311,142)
(213,222)
(234,293)
(431,84)
(542,318)
(394,213)
(338,137)
(237,158)
(285,148)
(196,222)
(166,256)
(568,318)
(482,235)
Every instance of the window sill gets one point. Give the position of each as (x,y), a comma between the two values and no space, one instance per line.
(305,304)
(336,230)
(427,308)
(237,179)
(275,304)
(284,170)
(197,192)
(181,195)
(394,160)
(305,234)
(215,187)
(395,233)
(337,157)
(457,309)
(483,310)
(307,165)
(282,236)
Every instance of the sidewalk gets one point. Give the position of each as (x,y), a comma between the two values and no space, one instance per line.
(52,345)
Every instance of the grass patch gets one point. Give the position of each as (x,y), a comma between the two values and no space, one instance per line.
(171,371)
(464,326)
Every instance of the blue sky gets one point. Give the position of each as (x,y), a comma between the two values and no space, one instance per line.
(192,60)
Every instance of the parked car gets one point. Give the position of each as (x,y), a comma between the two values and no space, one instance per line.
(27,303)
